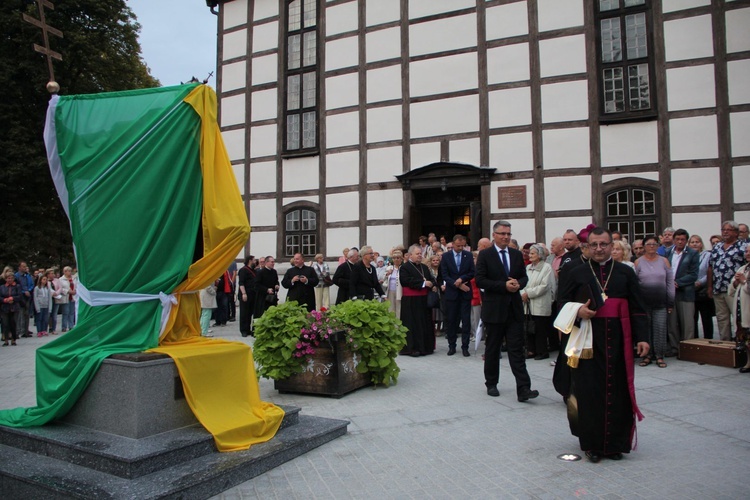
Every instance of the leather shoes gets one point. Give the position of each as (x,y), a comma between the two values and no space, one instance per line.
(466,353)
(525,396)
(593,456)
(745,369)
(492,391)
(614,456)
(415,354)
(451,351)
(541,356)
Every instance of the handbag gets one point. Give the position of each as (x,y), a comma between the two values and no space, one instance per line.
(433,299)
(327,281)
(271,298)
(529,326)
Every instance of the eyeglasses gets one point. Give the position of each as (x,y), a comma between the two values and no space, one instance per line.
(502,234)
(599,245)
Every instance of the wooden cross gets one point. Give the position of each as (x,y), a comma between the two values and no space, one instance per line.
(46,31)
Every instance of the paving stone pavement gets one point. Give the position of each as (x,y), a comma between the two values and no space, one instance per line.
(436,434)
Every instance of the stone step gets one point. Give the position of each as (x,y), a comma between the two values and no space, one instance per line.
(34,474)
(116,455)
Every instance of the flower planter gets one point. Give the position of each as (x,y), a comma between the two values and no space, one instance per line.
(331,371)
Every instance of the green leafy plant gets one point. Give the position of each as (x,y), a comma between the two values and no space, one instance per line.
(375,333)
(277,334)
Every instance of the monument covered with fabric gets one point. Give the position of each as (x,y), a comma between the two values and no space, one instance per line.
(156,216)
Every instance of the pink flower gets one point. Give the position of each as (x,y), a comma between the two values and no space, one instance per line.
(299,346)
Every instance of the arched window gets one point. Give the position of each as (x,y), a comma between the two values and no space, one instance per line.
(633,211)
(301,232)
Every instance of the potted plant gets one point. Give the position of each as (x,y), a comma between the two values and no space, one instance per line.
(376,334)
(305,352)
(277,334)
(328,352)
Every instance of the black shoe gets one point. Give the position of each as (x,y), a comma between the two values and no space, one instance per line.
(451,351)
(745,369)
(614,456)
(670,354)
(232,320)
(466,353)
(492,391)
(525,396)
(594,456)
(541,356)
(26,335)
(244,334)
(415,354)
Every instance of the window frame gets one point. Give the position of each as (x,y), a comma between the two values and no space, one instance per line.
(301,232)
(632,218)
(620,13)
(314,68)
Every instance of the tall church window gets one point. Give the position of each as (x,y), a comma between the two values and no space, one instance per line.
(301,77)
(633,212)
(301,232)
(625,59)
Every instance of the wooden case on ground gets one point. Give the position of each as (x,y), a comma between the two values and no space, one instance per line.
(712,352)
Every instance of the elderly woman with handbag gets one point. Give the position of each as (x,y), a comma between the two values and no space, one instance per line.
(537,297)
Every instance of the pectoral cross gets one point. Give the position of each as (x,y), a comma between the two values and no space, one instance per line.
(52,86)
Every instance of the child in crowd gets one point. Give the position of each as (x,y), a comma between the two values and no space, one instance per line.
(41,305)
(208,304)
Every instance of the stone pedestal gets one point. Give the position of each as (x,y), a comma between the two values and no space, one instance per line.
(132,435)
(134,395)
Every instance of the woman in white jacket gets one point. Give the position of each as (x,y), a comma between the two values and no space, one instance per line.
(538,296)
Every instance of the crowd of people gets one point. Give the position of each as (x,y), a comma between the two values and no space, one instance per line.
(603,303)
(36,296)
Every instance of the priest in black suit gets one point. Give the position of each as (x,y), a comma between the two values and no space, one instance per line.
(300,280)
(501,273)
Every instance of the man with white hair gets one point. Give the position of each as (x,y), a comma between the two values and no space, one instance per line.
(343,274)
(726,257)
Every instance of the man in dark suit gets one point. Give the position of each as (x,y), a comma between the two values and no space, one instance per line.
(266,287)
(343,275)
(457,270)
(501,273)
(685,262)
(300,280)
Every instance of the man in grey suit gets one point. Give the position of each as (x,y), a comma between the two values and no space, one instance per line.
(457,270)
(501,273)
(685,262)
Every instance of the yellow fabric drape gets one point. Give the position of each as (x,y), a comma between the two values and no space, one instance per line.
(218,376)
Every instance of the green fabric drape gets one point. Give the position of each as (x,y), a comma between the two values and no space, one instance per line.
(132,177)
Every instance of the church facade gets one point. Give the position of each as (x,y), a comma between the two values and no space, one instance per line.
(353,122)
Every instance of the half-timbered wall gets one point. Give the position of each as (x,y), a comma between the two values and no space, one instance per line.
(507,84)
